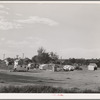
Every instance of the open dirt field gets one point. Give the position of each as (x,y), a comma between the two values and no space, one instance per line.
(82,79)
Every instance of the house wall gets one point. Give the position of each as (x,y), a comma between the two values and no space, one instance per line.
(91,67)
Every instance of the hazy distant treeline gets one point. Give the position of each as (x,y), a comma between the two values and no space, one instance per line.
(44,57)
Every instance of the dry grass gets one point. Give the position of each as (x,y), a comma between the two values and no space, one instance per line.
(84,80)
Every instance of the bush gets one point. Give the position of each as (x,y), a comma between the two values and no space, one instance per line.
(78,68)
(42,89)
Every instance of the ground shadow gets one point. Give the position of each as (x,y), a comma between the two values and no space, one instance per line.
(26,79)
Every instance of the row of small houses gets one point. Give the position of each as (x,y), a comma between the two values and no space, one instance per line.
(52,67)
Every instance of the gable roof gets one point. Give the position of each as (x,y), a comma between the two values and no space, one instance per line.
(93,64)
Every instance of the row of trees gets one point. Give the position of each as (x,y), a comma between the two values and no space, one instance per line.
(44,57)
(80,61)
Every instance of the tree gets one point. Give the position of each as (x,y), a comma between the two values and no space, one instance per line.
(54,57)
(26,61)
(40,50)
(42,57)
(35,59)
(10,60)
(72,60)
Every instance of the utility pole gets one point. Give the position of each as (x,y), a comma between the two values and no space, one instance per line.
(17,56)
(3,56)
(23,55)
(61,60)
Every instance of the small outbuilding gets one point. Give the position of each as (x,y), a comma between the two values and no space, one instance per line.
(52,67)
(21,68)
(43,66)
(92,66)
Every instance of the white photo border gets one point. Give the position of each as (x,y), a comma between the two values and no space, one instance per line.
(50,95)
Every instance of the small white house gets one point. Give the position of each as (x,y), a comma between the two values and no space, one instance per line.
(92,66)
(7,62)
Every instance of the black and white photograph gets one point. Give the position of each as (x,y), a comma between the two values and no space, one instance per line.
(49,47)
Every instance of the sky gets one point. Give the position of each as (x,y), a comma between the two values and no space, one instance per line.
(72,30)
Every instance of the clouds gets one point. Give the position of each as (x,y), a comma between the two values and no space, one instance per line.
(26,27)
(1,6)
(10,19)
(3,12)
(18,14)
(16,24)
(6,25)
(39,20)
(4,17)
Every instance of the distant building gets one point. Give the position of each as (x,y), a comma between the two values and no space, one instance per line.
(92,66)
